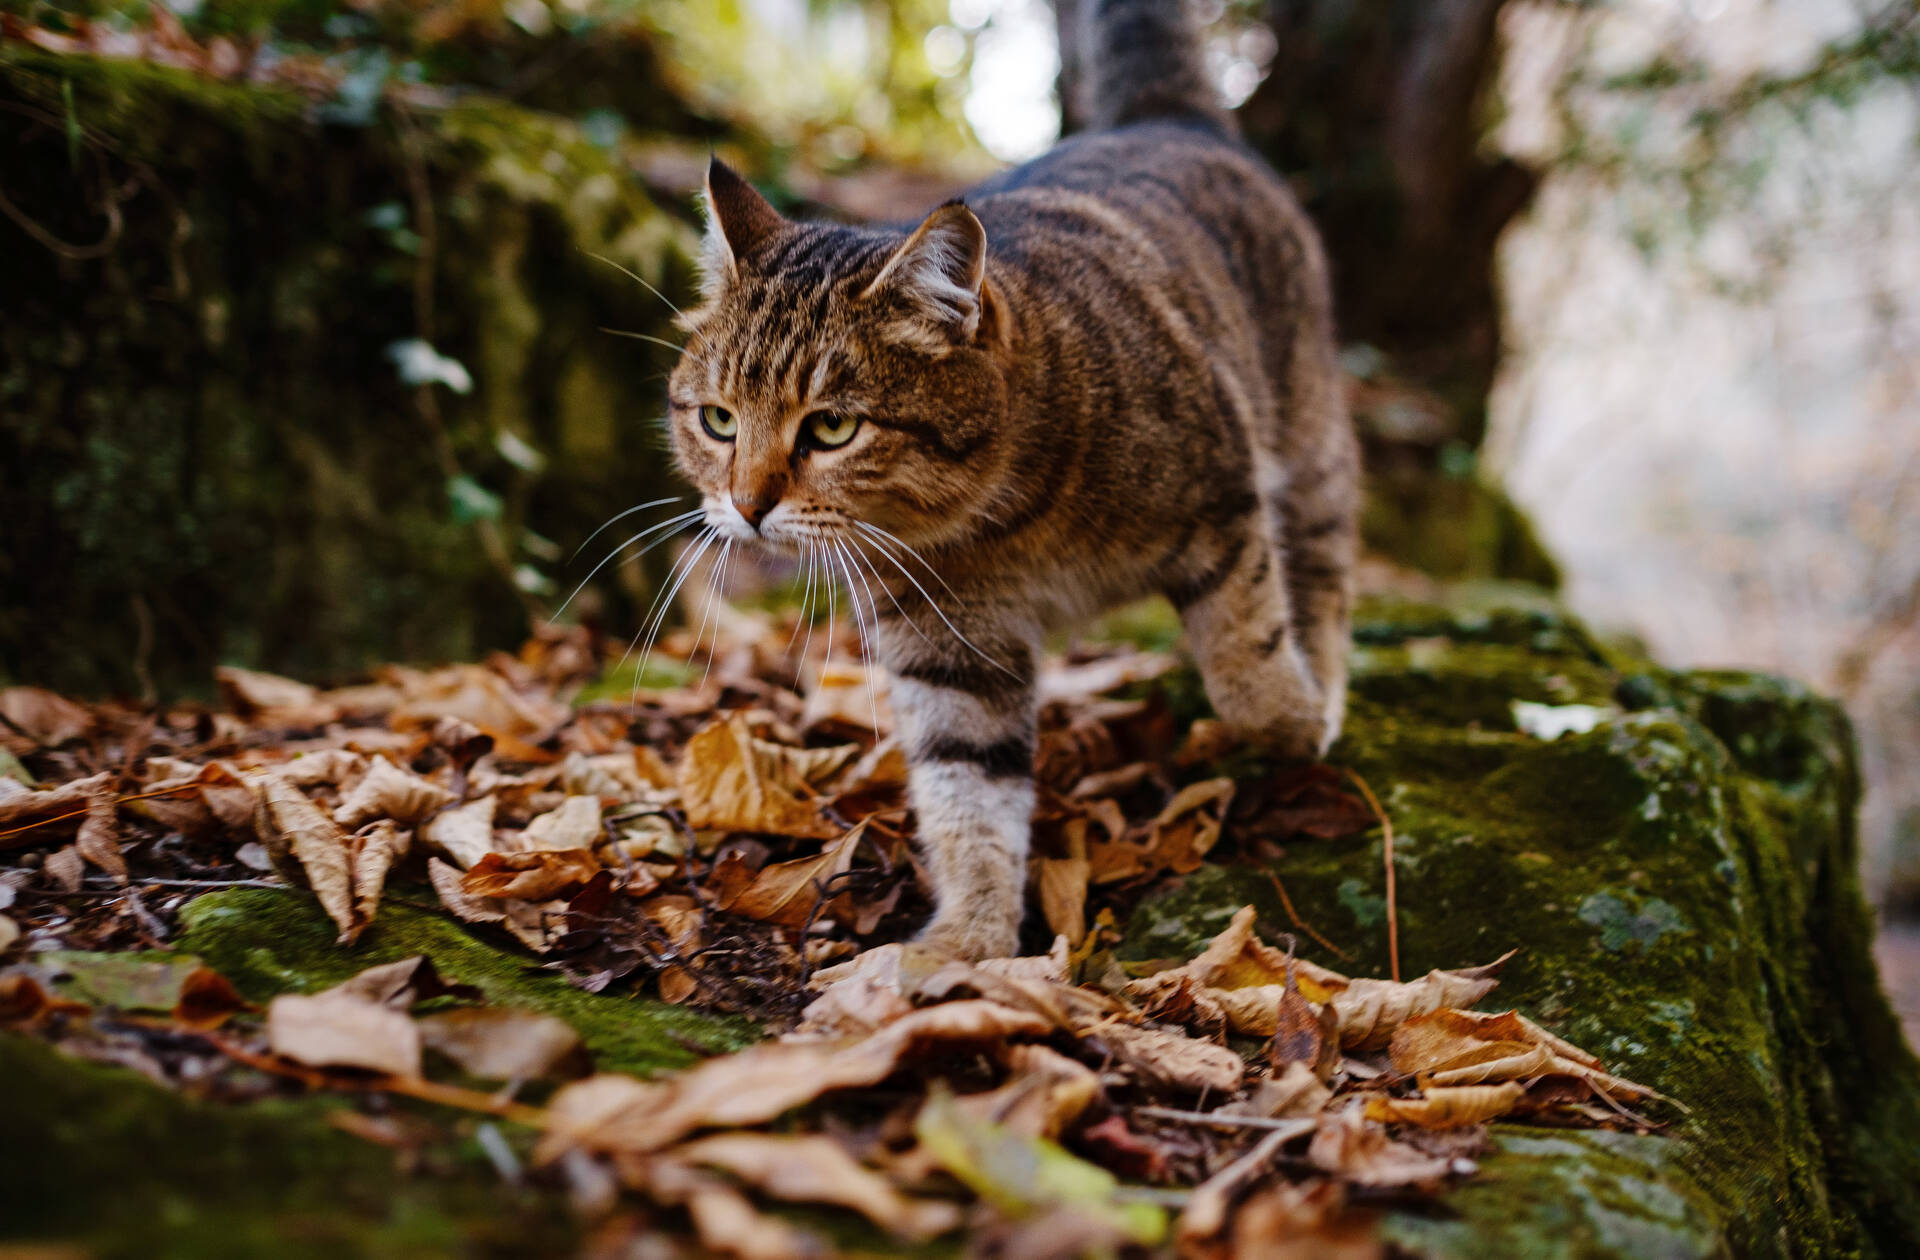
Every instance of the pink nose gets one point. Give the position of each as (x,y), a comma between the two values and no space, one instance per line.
(755,510)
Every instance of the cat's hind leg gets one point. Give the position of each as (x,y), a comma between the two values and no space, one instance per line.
(1234,600)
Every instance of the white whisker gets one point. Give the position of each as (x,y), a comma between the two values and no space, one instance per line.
(866,644)
(641,280)
(813,568)
(943,616)
(658,341)
(691,559)
(868,561)
(620,517)
(879,534)
(714,600)
(685,518)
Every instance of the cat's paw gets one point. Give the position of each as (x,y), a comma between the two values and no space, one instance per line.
(974,937)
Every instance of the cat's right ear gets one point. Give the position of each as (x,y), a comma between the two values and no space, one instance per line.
(738,219)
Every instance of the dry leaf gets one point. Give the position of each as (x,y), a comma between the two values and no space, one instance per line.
(372,852)
(504,1045)
(535,876)
(43,717)
(19,807)
(1304,1033)
(575,825)
(1440,1108)
(9,933)
(1283,1221)
(815,1169)
(1370,1010)
(1430,1042)
(1062,884)
(271,700)
(207,999)
(343,1029)
(446,881)
(386,791)
(1177,840)
(1171,1060)
(398,985)
(1297,1091)
(1044,1093)
(290,825)
(786,893)
(329,765)
(1348,1147)
(463,834)
(66,868)
(538,925)
(732,781)
(476,695)
(99,838)
(1237,959)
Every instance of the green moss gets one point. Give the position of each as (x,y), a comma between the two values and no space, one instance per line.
(270,942)
(106,1161)
(1680,881)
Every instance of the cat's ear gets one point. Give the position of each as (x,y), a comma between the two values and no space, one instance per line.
(941,272)
(738,219)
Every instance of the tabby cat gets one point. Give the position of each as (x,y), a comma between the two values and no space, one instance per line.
(1107,373)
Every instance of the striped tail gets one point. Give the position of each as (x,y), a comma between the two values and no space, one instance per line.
(1143,60)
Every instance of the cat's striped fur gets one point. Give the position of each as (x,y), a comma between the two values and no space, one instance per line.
(1109,373)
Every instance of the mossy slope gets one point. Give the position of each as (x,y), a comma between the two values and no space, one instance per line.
(1680,880)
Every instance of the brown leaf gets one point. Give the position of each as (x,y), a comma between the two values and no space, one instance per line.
(848,698)
(1171,1060)
(785,893)
(18,807)
(99,838)
(47,719)
(398,985)
(1440,1108)
(1304,1033)
(478,696)
(535,876)
(1370,1010)
(504,1045)
(538,925)
(66,868)
(23,1000)
(765,1081)
(1177,840)
(1062,884)
(463,834)
(343,1029)
(386,791)
(1237,959)
(9,933)
(1297,1091)
(1430,1042)
(575,825)
(446,881)
(1283,1221)
(816,1169)
(206,999)
(732,781)
(1361,1154)
(270,700)
(291,826)
(1045,1092)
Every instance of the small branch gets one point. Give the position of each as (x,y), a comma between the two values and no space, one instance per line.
(1286,1130)
(1393,909)
(1286,903)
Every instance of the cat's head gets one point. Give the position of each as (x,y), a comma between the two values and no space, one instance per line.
(838,374)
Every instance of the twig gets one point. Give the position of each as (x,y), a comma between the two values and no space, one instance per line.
(82,813)
(1286,903)
(411,1086)
(1297,1127)
(1393,909)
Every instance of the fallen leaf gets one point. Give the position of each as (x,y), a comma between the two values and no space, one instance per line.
(1044,1093)
(575,825)
(343,1029)
(372,852)
(207,999)
(1283,1221)
(328,765)
(386,791)
(816,1169)
(47,719)
(463,834)
(446,881)
(501,1044)
(1177,840)
(846,697)
(9,933)
(272,700)
(291,826)
(1430,1042)
(785,893)
(99,838)
(732,781)
(66,868)
(1297,1091)
(1171,1060)
(398,985)
(538,925)
(21,807)
(1304,1033)
(1442,1108)
(1360,1154)
(24,1000)
(1370,1010)
(536,876)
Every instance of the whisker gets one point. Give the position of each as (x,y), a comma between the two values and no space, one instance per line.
(807,591)
(658,341)
(621,517)
(866,644)
(714,600)
(813,568)
(868,561)
(685,518)
(879,534)
(641,280)
(689,560)
(945,620)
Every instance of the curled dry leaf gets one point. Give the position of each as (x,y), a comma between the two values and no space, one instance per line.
(537,876)
(1428,1043)
(1178,840)
(463,834)
(1305,1034)
(1443,1108)
(446,881)
(731,780)
(1172,1060)
(19,807)
(293,827)
(1296,1091)
(47,719)
(271,700)
(1304,1222)
(386,791)
(816,1169)
(1237,959)
(786,893)
(343,1029)
(1348,1147)
(500,1044)
(329,765)
(99,838)
(1043,1094)
(66,868)
(1370,1010)
(207,999)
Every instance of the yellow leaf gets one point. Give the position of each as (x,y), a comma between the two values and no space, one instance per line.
(1442,1108)
(730,780)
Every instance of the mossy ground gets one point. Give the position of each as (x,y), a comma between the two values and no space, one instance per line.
(1680,881)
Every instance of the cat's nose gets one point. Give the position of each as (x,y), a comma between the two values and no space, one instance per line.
(754,509)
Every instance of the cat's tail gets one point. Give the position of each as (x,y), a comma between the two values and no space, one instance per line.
(1141,60)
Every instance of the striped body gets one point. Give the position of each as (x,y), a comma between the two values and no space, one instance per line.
(1110,374)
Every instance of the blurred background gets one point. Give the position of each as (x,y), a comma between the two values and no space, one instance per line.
(305,358)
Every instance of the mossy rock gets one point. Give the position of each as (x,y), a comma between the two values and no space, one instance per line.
(206,450)
(1680,880)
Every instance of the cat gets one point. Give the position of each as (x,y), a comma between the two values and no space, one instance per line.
(1105,374)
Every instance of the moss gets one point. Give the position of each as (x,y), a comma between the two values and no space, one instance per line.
(116,1166)
(1681,883)
(270,942)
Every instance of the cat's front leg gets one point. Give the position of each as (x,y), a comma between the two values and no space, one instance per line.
(965,718)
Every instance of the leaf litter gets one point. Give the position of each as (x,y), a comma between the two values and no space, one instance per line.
(742,844)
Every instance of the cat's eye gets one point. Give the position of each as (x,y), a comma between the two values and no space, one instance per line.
(828,429)
(719,423)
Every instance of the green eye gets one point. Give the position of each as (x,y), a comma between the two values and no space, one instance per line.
(719,422)
(827,429)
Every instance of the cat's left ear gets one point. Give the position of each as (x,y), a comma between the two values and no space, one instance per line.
(738,219)
(941,272)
